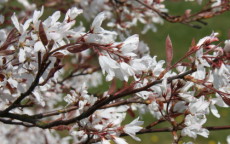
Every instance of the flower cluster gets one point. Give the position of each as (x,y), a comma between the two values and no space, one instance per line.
(49,69)
(125,14)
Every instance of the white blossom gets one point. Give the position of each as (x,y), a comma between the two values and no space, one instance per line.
(118,140)
(228,139)
(99,35)
(72,13)
(132,128)
(194,126)
(130,45)
(108,65)
(47,63)
(199,106)
(227,46)
(154,110)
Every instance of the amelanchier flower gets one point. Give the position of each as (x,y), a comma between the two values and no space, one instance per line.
(132,128)
(50,76)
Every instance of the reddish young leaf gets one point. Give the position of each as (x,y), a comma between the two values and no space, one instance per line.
(58,55)
(6,52)
(226,99)
(169,51)
(131,113)
(42,35)
(161,105)
(76,48)
(193,43)
(50,45)
(10,88)
(112,87)
(10,39)
(61,128)
(2,77)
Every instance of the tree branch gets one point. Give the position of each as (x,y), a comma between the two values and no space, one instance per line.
(11,122)
(197,17)
(103,102)
(169,129)
(28,92)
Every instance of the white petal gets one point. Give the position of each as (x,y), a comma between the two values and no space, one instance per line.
(73,13)
(105,141)
(22,55)
(214,111)
(39,98)
(130,44)
(37,15)
(228,139)
(118,140)
(56,16)
(13,82)
(96,25)
(2,19)
(15,22)
(38,46)
(227,46)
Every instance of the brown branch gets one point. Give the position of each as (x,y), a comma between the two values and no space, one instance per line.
(73,74)
(124,102)
(103,102)
(170,79)
(34,118)
(52,113)
(66,110)
(155,123)
(197,17)
(21,117)
(169,129)
(11,122)
(28,92)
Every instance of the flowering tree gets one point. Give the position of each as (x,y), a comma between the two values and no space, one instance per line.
(48,63)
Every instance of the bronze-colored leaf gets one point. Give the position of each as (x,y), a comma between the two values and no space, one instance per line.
(2,77)
(226,100)
(11,38)
(112,87)
(58,55)
(78,48)
(131,112)
(50,45)
(169,51)
(42,35)
(6,52)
